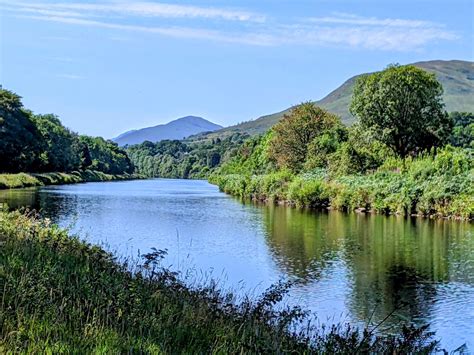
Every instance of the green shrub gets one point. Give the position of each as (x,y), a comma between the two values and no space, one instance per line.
(308,193)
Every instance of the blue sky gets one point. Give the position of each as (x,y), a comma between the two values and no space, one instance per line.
(109,66)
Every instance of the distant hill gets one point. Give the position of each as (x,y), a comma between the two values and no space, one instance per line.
(178,129)
(456,76)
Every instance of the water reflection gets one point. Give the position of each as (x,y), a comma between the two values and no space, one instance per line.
(392,266)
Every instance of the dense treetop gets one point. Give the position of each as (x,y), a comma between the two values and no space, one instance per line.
(40,143)
(403,106)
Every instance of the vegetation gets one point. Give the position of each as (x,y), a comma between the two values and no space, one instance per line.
(435,184)
(463,131)
(306,162)
(177,159)
(14,181)
(40,143)
(62,295)
(403,106)
(307,134)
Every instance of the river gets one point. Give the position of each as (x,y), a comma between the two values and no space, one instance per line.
(348,268)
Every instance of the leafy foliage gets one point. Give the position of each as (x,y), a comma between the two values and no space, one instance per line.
(307,129)
(463,130)
(62,150)
(403,106)
(319,164)
(435,184)
(20,141)
(39,143)
(177,159)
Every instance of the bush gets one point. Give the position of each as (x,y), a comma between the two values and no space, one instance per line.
(305,192)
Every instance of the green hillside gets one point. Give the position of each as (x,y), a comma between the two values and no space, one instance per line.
(456,76)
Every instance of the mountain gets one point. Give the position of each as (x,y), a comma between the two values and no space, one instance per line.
(456,76)
(178,129)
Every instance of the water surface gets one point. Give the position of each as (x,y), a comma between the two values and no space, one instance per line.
(348,267)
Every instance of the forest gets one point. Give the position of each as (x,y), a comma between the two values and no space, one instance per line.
(184,159)
(36,143)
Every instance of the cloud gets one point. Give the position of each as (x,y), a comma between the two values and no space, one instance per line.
(367,33)
(350,19)
(143,9)
(178,32)
(243,27)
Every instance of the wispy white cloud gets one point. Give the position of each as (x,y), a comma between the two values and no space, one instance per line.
(368,33)
(70,76)
(144,9)
(178,32)
(351,19)
(338,29)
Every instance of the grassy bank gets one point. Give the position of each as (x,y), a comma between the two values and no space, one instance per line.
(440,185)
(13,181)
(61,295)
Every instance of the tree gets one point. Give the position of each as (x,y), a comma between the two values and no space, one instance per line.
(292,136)
(105,156)
(20,141)
(463,130)
(359,154)
(62,151)
(403,106)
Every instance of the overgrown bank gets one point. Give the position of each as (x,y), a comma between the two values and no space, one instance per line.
(20,180)
(434,185)
(61,295)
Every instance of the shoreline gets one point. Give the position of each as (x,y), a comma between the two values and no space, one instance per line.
(23,180)
(326,204)
(358,210)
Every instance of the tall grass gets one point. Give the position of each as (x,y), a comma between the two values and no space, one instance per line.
(11,181)
(62,295)
(440,185)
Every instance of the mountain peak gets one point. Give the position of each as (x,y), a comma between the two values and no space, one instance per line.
(177,129)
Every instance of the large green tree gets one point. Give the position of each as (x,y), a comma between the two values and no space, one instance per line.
(307,126)
(20,141)
(62,148)
(106,156)
(403,106)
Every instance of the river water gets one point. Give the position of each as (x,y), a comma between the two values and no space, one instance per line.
(347,268)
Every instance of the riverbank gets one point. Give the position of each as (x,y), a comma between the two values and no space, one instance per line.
(20,180)
(62,295)
(352,193)
(439,186)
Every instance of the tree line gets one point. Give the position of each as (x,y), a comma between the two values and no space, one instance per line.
(40,143)
(184,160)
